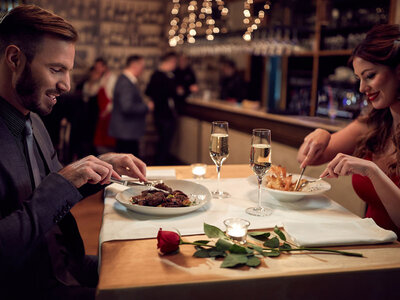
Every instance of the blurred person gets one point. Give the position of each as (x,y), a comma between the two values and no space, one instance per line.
(102,140)
(42,253)
(368,149)
(128,117)
(185,79)
(85,116)
(233,87)
(162,90)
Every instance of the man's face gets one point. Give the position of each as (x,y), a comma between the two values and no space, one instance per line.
(47,76)
(140,66)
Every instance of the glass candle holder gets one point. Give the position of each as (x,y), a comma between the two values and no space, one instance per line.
(236,229)
(199,170)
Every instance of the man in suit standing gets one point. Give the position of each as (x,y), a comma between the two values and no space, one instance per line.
(162,90)
(41,251)
(128,117)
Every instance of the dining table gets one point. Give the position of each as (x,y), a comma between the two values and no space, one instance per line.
(135,268)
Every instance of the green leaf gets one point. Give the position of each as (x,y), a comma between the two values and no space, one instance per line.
(202,253)
(223,244)
(271,253)
(232,260)
(213,232)
(253,261)
(257,248)
(272,243)
(259,235)
(204,242)
(285,246)
(216,253)
(238,249)
(280,233)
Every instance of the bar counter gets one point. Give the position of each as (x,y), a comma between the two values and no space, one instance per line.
(288,130)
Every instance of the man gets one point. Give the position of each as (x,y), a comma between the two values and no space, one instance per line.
(233,87)
(41,251)
(162,90)
(128,117)
(185,79)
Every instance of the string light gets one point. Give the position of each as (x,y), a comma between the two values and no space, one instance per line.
(252,22)
(196,17)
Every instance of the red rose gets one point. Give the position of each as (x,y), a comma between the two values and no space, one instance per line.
(168,241)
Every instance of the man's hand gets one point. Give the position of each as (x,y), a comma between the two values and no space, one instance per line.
(88,170)
(126,164)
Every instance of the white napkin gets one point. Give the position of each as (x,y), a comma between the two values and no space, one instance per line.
(351,232)
(161,174)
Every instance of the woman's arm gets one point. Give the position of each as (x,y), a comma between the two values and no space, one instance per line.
(320,146)
(387,191)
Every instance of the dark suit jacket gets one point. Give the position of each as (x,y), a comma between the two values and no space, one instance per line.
(128,117)
(26,217)
(162,90)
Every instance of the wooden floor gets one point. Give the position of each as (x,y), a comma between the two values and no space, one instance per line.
(88,214)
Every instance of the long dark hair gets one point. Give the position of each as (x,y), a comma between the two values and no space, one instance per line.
(381,46)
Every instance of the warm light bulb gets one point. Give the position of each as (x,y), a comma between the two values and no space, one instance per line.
(172,42)
(247,37)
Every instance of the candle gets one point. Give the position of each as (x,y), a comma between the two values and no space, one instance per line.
(199,170)
(236,229)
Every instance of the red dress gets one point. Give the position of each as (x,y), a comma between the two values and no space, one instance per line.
(365,190)
(101,137)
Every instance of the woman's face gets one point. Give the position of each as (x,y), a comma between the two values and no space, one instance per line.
(378,82)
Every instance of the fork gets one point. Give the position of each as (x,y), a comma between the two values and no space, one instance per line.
(309,181)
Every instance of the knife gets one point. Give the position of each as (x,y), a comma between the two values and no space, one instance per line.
(298,180)
(134,182)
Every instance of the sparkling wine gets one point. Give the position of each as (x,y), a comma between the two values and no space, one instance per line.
(260,158)
(219,150)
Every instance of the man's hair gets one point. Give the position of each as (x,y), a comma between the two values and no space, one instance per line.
(101,60)
(168,56)
(26,25)
(132,59)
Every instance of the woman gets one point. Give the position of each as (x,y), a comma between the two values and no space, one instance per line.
(369,147)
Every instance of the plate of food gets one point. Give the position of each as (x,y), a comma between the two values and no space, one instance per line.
(281,185)
(181,197)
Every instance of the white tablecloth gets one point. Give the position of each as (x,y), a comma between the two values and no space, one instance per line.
(122,224)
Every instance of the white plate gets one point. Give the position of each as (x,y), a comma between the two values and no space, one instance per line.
(311,189)
(200,192)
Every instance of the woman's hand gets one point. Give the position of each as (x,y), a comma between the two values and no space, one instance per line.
(344,165)
(313,147)
(126,164)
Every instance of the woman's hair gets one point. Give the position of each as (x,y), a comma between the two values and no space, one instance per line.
(26,25)
(380,46)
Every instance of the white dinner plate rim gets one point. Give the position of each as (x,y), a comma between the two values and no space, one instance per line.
(326,187)
(161,211)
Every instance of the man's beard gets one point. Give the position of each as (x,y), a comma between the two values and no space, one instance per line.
(28,91)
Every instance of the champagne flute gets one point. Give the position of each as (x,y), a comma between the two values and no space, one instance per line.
(260,161)
(219,151)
